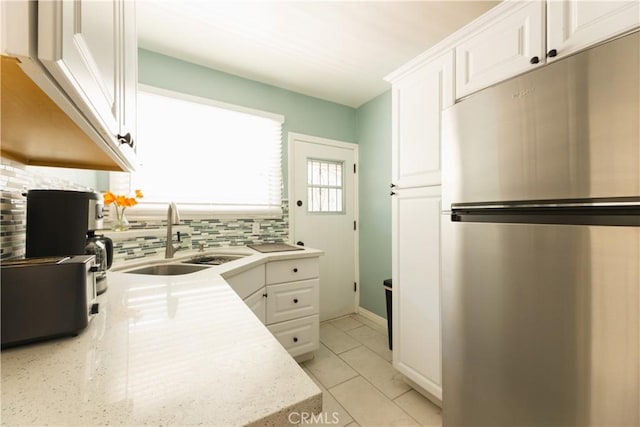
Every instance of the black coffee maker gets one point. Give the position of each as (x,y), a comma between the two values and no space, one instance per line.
(63,222)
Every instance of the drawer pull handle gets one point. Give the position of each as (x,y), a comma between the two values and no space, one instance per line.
(295,300)
(295,339)
(295,270)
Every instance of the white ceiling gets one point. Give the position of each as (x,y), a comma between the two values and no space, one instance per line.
(334,50)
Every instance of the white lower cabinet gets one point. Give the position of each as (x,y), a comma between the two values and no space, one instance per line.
(292,300)
(285,296)
(299,336)
(256,302)
(293,304)
(417,351)
(247,282)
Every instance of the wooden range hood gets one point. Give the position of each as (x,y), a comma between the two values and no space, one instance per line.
(34,130)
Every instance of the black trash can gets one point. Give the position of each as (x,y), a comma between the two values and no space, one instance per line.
(388,286)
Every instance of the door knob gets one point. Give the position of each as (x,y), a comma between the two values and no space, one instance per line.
(299,243)
(299,203)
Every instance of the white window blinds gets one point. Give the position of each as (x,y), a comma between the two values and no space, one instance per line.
(208,157)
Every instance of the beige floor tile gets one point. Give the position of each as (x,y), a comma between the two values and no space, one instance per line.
(376,370)
(368,406)
(372,339)
(420,408)
(366,321)
(328,368)
(332,412)
(346,323)
(335,339)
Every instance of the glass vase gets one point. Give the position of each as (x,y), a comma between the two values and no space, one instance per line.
(120,222)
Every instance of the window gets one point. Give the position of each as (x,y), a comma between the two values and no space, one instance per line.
(206,156)
(324,186)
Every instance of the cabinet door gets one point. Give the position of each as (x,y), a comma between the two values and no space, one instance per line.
(508,46)
(298,336)
(247,282)
(573,25)
(292,269)
(418,100)
(416,287)
(256,302)
(290,300)
(80,44)
(129,88)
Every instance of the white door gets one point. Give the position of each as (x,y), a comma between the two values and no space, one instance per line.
(322,206)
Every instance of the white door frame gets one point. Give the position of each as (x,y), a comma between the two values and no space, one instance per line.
(294,136)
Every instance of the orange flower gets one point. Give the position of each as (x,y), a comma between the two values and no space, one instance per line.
(121,200)
(109,198)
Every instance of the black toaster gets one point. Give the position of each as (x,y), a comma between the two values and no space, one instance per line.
(45,298)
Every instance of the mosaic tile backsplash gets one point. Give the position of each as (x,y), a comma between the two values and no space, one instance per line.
(15,179)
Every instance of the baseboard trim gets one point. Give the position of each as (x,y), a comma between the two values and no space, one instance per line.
(378,320)
(422,391)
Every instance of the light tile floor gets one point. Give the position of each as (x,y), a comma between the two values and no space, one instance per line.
(359,385)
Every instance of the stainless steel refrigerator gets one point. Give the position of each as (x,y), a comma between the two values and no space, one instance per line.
(541,246)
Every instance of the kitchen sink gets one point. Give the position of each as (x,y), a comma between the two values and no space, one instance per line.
(168,269)
(215,259)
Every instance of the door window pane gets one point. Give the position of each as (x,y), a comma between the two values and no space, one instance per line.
(325,192)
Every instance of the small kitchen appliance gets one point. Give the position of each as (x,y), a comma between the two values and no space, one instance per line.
(43,298)
(58,221)
(63,223)
(102,247)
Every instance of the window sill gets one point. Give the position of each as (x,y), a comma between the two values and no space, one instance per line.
(119,236)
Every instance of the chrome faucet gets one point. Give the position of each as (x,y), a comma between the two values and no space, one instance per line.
(173,218)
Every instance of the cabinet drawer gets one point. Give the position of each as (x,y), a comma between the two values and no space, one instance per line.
(247,282)
(298,336)
(256,302)
(291,300)
(292,269)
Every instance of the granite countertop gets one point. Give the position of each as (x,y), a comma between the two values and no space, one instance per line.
(163,350)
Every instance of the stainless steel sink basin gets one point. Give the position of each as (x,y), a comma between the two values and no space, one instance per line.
(213,259)
(168,269)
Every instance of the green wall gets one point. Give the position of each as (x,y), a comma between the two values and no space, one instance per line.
(303,114)
(369,126)
(373,124)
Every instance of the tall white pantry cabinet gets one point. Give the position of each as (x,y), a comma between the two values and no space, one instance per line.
(418,98)
(510,39)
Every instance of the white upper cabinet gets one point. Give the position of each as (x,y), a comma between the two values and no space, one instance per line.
(516,37)
(573,25)
(510,44)
(418,98)
(90,49)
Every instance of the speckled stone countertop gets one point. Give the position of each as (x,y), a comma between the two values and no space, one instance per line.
(163,350)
